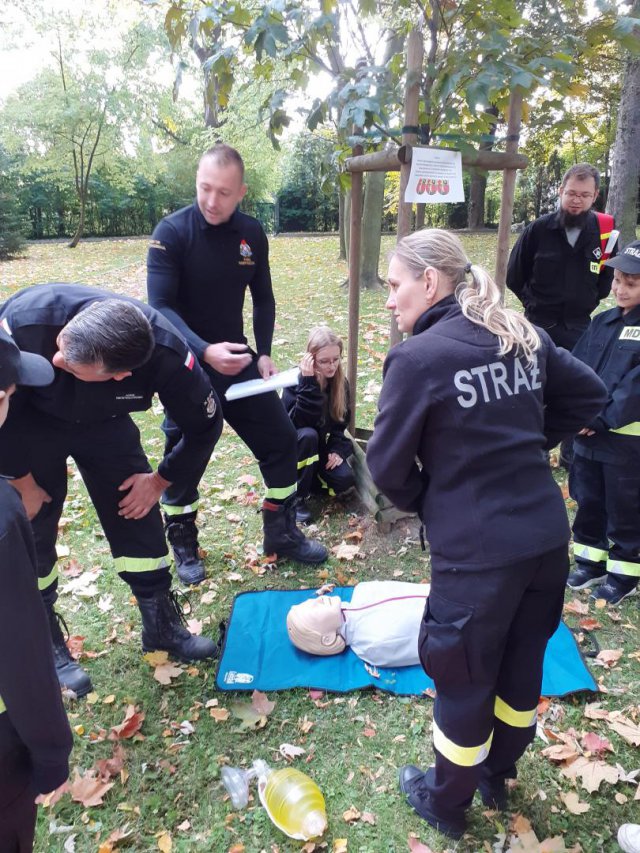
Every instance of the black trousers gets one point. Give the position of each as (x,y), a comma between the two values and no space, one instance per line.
(106,454)
(606,529)
(17,797)
(482,640)
(560,334)
(312,470)
(263,425)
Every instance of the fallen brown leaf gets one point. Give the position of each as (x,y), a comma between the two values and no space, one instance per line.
(130,726)
(88,789)
(573,804)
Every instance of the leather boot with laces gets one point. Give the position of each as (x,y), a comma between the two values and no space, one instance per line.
(283,538)
(164,629)
(70,674)
(183,538)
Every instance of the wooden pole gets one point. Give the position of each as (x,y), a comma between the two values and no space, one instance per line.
(355,241)
(415,55)
(392,160)
(508,188)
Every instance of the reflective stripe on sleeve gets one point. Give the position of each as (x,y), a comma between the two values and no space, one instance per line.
(179,510)
(308,461)
(3,707)
(280,494)
(623,567)
(517,719)
(588,552)
(628,429)
(141,564)
(464,756)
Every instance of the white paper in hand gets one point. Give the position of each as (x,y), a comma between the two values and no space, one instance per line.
(284,379)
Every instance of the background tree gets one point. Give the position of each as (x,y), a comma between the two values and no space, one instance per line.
(622,201)
(12,225)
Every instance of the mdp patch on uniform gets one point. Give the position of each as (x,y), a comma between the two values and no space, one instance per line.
(630,333)
(210,406)
(246,255)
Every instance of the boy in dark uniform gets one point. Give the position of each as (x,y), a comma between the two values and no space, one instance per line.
(35,739)
(605,477)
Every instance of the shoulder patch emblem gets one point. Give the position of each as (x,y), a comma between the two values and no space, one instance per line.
(630,333)
(156,244)
(246,255)
(210,406)
(597,253)
(190,360)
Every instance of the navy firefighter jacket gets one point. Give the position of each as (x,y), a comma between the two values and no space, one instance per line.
(479,424)
(611,346)
(35,317)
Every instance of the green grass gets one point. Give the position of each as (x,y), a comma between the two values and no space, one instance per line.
(171,778)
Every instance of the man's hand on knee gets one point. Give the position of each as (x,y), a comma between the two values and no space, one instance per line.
(33,495)
(144,492)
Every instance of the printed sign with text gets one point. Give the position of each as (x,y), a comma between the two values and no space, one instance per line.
(436,176)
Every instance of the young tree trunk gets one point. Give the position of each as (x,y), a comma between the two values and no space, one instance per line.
(622,201)
(476,198)
(421,210)
(80,229)
(346,232)
(342,226)
(371,227)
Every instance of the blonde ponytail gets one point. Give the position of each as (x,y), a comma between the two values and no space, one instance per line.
(480,299)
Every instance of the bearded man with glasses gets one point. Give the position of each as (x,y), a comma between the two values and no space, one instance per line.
(556,267)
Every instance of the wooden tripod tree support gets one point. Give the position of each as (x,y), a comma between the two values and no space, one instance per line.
(508,161)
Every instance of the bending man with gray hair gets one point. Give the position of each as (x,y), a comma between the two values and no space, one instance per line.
(111,355)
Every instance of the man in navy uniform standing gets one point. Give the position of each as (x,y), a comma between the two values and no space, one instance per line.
(201,261)
(110,357)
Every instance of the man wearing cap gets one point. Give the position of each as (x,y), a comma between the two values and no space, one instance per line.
(35,739)
(605,475)
(556,267)
(110,357)
(201,261)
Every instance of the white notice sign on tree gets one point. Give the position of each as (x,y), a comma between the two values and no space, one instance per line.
(436,176)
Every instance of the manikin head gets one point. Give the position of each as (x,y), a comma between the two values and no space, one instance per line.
(313,626)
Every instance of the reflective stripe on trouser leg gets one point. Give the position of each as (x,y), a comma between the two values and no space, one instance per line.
(464,756)
(179,510)
(589,553)
(517,719)
(51,578)
(280,494)
(326,486)
(141,564)
(623,567)
(303,463)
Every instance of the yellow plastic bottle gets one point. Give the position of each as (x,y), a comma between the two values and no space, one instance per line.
(292,800)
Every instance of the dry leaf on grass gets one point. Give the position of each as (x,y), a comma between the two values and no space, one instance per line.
(560,752)
(112,842)
(88,788)
(594,711)
(369,817)
(576,606)
(340,845)
(288,750)
(351,815)
(164,842)
(130,726)
(219,714)
(108,768)
(261,703)
(609,657)
(346,552)
(594,743)
(416,846)
(573,804)
(166,671)
(591,773)
(627,730)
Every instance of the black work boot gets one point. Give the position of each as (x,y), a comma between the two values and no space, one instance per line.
(282,537)
(164,629)
(183,538)
(70,674)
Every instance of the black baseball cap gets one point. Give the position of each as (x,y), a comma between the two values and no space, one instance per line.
(21,368)
(628,260)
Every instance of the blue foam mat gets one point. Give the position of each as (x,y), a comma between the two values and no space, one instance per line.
(258,655)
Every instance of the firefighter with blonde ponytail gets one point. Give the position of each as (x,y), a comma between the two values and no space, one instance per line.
(469,404)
